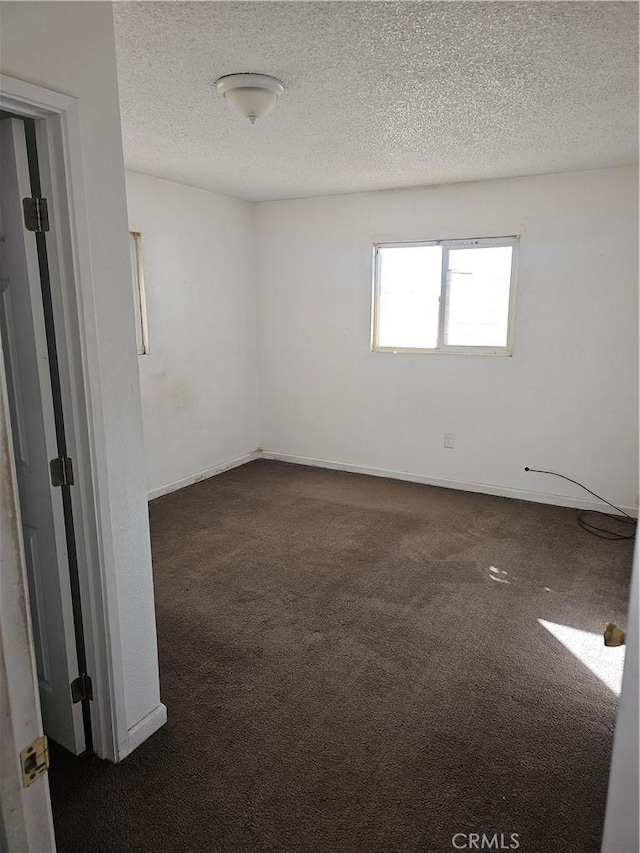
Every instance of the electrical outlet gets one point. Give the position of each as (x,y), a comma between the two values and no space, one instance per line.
(449,440)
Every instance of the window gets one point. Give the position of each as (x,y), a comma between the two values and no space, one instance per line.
(139,299)
(455,296)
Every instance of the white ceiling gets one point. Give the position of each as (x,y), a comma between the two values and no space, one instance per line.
(378,95)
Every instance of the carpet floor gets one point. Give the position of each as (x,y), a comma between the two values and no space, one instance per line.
(358,664)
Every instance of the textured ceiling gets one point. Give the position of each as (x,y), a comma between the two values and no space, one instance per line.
(378,95)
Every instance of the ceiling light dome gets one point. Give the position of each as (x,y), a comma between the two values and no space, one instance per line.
(250,95)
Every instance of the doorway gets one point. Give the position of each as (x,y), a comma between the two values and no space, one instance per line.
(82,314)
(44,469)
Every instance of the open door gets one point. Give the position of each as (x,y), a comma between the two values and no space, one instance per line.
(26,822)
(35,417)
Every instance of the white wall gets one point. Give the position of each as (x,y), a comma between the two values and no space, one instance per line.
(199,380)
(70,47)
(566,400)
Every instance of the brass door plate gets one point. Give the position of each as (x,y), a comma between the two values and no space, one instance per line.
(34,760)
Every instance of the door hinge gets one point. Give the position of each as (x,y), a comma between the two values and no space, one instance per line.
(81,688)
(34,760)
(36,214)
(61,471)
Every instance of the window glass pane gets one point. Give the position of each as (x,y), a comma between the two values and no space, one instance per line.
(410,279)
(477,305)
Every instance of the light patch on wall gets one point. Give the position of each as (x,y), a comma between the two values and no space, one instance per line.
(605,663)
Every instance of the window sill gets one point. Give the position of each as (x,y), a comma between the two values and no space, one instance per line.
(503,352)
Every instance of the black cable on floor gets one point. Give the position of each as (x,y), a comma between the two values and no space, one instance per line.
(603,532)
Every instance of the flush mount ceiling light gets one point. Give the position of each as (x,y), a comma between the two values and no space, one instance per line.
(250,95)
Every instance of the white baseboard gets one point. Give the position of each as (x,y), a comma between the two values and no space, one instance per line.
(483,488)
(462,485)
(202,475)
(143,729)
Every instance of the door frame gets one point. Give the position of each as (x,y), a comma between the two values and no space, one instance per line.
(60,159)
(32,375)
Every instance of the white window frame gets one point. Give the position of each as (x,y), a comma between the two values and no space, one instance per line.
(441,348)
(139,293)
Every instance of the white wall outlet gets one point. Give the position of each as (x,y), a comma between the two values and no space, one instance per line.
(449,440)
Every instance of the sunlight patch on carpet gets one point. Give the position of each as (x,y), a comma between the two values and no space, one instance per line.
(606,663)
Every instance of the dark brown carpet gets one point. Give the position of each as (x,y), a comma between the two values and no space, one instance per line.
(343,674)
